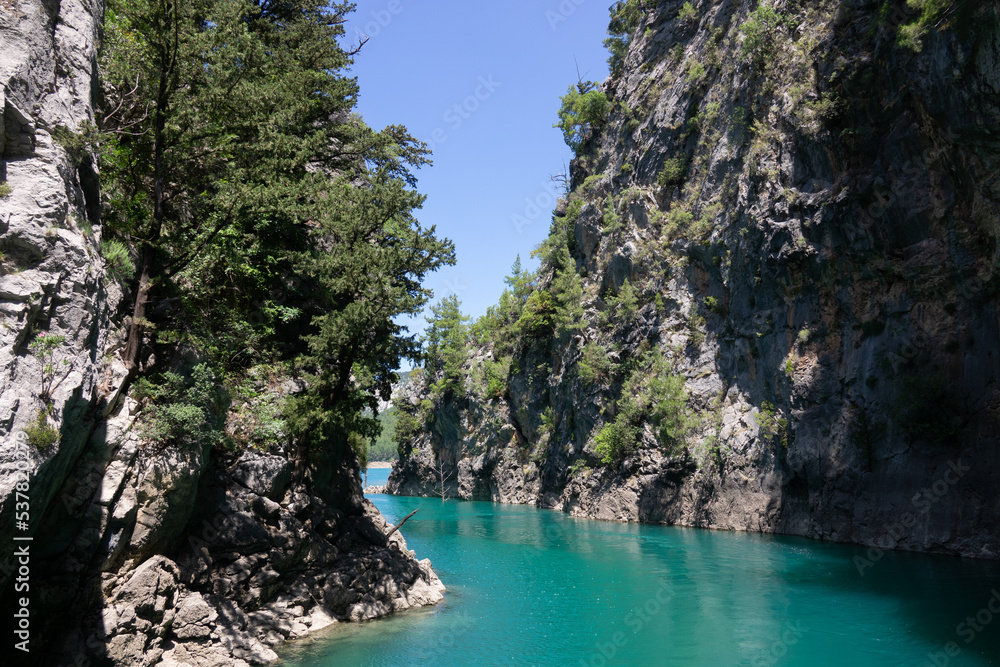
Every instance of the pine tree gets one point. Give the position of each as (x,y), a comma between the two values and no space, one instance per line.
(282,223)
(447,346)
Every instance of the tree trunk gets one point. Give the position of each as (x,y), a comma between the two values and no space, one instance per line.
(137,327)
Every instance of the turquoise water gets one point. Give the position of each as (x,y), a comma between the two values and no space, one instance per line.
(536,587)
(377,476)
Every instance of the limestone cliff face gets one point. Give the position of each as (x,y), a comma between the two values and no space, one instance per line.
(811,222)
(52,278)
(139,556)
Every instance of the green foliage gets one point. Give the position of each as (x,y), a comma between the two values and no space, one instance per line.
(41,434)
(623,308)
(687,14)
(804,335)
(673,172)
(117,260)
(616,441)
(625,18)
(668,411)
(760,31)
(654,395)
(612,221)
(772,424)
(185,411)
(594,367)
(567,290)
(579,467)
(696,326)
(695,72)
(5,189)
(44,346)
(713,305)
(678,219)
(583,111)
(911,35)
(383,448)
(496,373)
(279,221)
(446,347)
(590,183)
(538,317)
(928,410)
(498,327)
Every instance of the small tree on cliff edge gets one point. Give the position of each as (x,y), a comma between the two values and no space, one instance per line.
(584,109)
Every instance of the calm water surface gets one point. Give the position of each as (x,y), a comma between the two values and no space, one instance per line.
(536,587)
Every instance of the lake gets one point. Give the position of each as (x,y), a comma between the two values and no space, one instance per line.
(537,587)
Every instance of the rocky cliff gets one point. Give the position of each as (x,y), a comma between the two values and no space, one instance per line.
(792,206)
(129,554)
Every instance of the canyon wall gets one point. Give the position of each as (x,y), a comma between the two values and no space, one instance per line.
(800,203)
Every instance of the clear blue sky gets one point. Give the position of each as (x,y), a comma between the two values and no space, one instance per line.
(480,82)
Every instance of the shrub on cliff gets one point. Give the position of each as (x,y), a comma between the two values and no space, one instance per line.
(186,411)
(584,109)
(625,18)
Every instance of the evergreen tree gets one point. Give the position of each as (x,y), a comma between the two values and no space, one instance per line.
(447,346)
(236,170)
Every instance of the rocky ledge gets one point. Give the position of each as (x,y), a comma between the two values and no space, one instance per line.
(193,559)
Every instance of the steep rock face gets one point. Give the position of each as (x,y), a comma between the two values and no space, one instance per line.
(811,223)
(52,278)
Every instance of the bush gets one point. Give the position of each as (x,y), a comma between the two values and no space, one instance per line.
(677,220)
(772,425)
(41,434)
(695,72)
(612,221)
(652,394)
(673,172)
(623,308)
(582,112)
(538,317)
(44,346)
(5,189)
(185,411)
(616,441)
(594,366)
(760,30)
(117,260)
(496,373)
(578,468)
(687,13)
(911,35)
